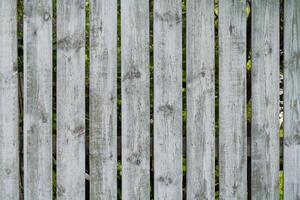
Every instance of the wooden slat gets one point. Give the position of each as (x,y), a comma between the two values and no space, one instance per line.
(103,99)
(37,99)
(291,100)
(70,99)
(9,145)
(265,100)
(200,100)
(167,99)
(232,103)
(135,100)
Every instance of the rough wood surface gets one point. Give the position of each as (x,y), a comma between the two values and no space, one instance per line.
(9,145)
(37,99)
(232,88)
(200,100)
(70,99)
(103,99)
(135,100)
(167,99)
(265,100)
(291,100)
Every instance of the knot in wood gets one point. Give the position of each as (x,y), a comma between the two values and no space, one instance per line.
(132,74)
(166,109)
(167,180)
(134,159)
(46,16)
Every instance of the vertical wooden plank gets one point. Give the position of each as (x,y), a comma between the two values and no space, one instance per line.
(70,99)
(135,100)
(103,99)
(9,145)
(167,99)
(200,100)
(265,100)
(291,100)
(37,99)
(232,105)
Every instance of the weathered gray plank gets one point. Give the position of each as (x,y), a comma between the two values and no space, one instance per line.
(291,99)
(167,99)
(70,99)
(232,88)
(37,99)
(200,100)
(265,100)
(135,100)
(9,145)
(103,99)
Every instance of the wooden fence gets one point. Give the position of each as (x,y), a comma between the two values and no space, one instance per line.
(152,164)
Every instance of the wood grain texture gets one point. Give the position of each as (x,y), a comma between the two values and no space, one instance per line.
(103,99)
(167,99)
(265,100)
(70,99)
(291,100)
(232,102)
(9,123)
(37,99)
(200,100)
(135,100)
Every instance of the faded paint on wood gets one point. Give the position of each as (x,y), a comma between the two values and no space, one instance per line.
(71,99)
(167,99)
(9,145)
(291,100)
(37,99)
(103,99)
(265,100)
(200,100)
(232,102)
(135,100)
